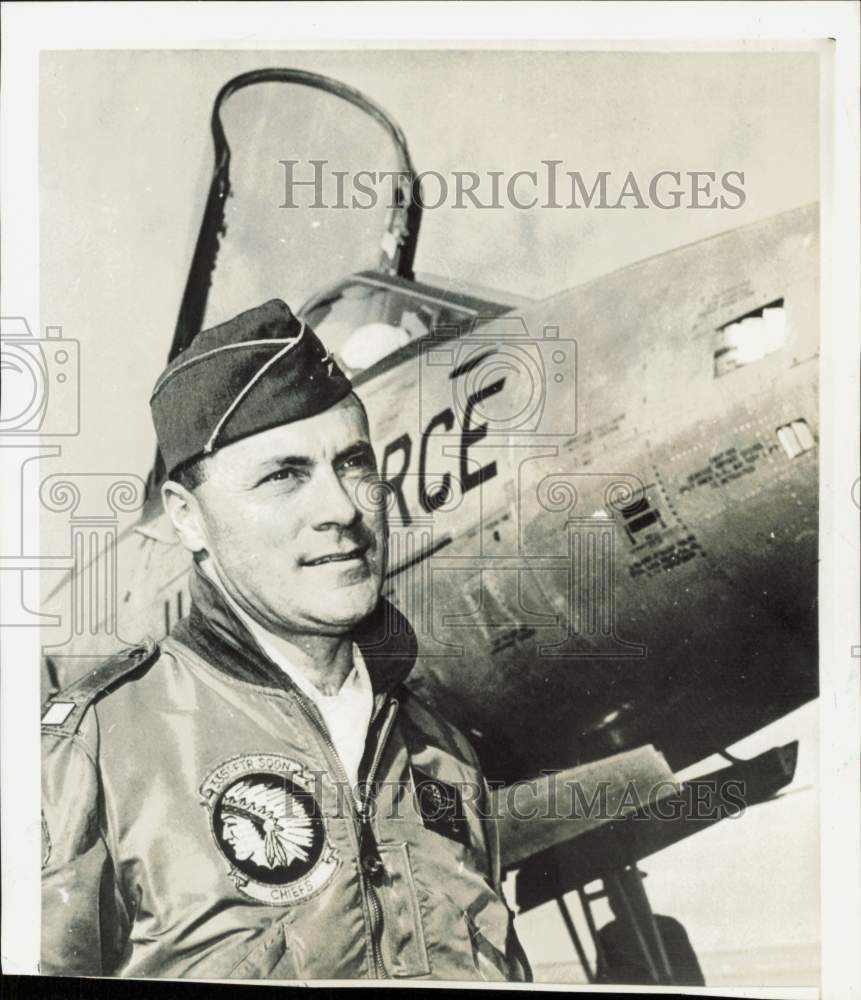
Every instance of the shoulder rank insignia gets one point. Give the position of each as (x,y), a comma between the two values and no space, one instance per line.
(64,710)
(440,806)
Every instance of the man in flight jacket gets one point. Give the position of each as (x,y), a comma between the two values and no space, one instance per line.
(259,795)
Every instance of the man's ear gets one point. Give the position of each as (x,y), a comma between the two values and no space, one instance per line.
(183,508)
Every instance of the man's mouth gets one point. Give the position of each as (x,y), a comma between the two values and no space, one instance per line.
(348,555)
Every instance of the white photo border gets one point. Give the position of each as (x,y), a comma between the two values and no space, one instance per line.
(29,28)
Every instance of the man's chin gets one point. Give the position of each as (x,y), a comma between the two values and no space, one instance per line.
(345,607)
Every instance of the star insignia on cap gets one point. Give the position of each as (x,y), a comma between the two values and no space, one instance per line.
(328,361)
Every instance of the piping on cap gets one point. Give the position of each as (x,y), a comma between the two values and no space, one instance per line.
(249,385)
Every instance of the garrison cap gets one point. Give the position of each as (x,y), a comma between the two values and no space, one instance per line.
(259,370)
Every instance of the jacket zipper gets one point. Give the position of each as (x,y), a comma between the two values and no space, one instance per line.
(366,830)
(363,827)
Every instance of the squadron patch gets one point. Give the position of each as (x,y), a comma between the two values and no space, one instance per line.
(267,823)
(441,807)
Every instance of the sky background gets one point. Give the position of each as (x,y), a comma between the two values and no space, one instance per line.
(125,158)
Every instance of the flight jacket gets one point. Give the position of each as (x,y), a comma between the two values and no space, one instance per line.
(198,823)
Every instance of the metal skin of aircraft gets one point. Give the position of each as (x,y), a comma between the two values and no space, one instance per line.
(602,519)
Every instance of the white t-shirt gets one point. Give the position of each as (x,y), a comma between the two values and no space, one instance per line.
(347,714)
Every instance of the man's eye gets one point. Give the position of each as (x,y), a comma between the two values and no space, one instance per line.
(280,475)
(361,461)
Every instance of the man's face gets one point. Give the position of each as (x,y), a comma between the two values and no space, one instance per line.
(289,537)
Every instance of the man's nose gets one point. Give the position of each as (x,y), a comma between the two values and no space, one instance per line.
(333,503)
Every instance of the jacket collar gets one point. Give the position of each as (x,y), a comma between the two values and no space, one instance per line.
(212,630)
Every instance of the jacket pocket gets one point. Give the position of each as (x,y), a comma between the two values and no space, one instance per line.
(404,950)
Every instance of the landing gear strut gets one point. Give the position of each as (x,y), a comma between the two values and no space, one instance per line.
(637,946)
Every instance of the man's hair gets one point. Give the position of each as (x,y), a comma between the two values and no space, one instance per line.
(190,474)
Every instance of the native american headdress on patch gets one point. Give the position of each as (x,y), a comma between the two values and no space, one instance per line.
(282,819)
